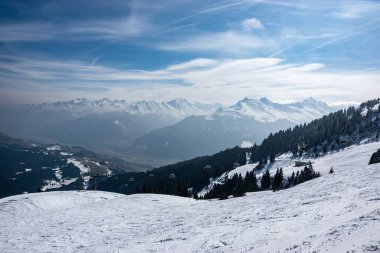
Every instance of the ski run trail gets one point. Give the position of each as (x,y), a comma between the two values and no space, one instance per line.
(337,212)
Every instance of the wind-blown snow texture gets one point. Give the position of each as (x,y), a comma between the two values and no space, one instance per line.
(337,212)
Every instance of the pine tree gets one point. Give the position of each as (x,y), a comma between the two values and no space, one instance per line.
(223,194)
(296,179)
(277,180)
(272,158)
(240,188)
(265,181)
(255,187)
(291,180)
(182,189)
(280,178)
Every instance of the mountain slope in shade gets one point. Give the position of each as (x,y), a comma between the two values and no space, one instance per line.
(105,129)
(27,166)
(264,110)
(72,121)
(200,135)
(248,120)
(337,212)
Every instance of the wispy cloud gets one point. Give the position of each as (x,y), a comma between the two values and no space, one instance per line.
(229,42)
(296,35)
(219,6)
(280,51)
(27,32)
(109,29)
(359,9)
(217,80)
(343,37)
(200,62)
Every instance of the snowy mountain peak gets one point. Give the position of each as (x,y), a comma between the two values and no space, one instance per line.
(179,103)
(310,100)
(245,99)
(265,110)
(265,100)
(78,100)
(313,101)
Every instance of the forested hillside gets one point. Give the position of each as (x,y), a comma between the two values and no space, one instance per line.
(332,132)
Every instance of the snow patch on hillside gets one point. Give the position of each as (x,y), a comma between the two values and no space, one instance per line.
(54,148)
(246,144)
(66,154)
(83,169)
(59,182)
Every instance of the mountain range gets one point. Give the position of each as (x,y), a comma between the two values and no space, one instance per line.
(264,110)
(177,108)
(156,133)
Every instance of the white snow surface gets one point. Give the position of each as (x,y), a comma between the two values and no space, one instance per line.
(53,148)
(66,154)
(337,212)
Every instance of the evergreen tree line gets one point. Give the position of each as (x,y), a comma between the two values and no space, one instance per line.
(171,187)
(237,186)
(334,131)
(194,173)
(304,175)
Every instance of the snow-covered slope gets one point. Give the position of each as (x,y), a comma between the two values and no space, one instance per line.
(337,212)
(287,163)
(265,110)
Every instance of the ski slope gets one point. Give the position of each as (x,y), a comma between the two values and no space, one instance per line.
(286,161)
(337,212)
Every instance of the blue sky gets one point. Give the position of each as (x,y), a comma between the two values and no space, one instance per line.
(208,51)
